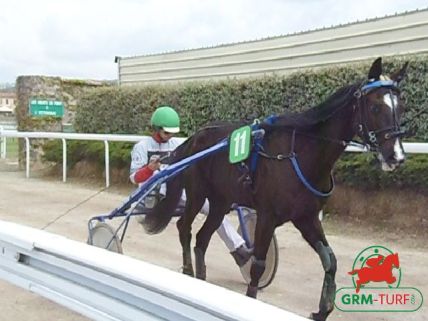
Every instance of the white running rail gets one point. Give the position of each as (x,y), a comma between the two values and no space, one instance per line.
(103,285)
(106,138)
(418,148)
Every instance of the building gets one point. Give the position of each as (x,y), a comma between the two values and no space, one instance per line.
(405,33)
(7,101)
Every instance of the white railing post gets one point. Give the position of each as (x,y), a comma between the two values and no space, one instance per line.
(75,136)
(3,143)
(4,147)
(107,163)
(27,157)
(64,160)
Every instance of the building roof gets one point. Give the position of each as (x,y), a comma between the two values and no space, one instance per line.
(8,94)
(274,37)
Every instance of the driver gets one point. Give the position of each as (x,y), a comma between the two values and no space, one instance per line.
(148,156)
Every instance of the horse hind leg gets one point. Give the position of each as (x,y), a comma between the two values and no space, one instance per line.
(184,226)
(185,239)
(313,233)
(213,221)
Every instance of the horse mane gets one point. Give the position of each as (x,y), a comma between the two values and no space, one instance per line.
(305,120)
(222,124)
(184,149)
(318,114)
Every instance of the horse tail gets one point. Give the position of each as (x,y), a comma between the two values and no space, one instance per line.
(353,272)
(157,220)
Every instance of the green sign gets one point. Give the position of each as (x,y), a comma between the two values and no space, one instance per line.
(42,108)
(239,145)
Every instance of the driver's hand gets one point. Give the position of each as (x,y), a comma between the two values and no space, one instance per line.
(154,164)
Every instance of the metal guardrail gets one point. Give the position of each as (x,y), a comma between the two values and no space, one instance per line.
(412,148)
(103,285)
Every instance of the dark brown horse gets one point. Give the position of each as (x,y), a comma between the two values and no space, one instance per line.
(313,140)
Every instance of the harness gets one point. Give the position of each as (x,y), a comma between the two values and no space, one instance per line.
(258,135)
(370,138)
(258,150)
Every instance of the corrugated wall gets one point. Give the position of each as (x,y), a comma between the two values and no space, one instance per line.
(395,35)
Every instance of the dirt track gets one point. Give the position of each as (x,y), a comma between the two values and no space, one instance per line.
(297,286)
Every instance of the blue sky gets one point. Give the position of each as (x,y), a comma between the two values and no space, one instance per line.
(80,38)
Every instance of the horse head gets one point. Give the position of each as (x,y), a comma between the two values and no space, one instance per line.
(380,108)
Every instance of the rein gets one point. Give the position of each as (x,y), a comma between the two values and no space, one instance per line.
(292,156)
(370,138)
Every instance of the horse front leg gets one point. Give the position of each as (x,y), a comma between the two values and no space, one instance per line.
(313,233)
(262,239)
(329,263)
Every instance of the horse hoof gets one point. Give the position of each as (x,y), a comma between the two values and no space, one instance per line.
(201,271)
(201,268)
(201,275)
(252,291)
(316,317)
(188,271)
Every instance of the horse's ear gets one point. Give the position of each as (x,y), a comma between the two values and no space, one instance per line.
(376,69)
(399,75)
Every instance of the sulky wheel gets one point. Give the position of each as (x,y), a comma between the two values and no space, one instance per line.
(272,256)
(102,235)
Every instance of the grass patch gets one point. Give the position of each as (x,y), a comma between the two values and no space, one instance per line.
(11,147)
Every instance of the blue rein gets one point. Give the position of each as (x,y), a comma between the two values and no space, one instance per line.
(305,182)
(270,120)
(256,153)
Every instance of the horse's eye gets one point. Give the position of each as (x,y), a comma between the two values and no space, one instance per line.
(375,109)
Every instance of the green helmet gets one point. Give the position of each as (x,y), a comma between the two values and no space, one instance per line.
(167,119)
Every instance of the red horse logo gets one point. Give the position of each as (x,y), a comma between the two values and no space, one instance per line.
(379,269)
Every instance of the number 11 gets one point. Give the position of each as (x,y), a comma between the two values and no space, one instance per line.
(240,143)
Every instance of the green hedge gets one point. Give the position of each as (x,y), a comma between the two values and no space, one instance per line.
(88,150)
(128,110)
(363,170)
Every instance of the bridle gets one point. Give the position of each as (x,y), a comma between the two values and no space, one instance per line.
(371,137)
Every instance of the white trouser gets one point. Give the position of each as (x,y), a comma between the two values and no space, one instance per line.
(226,231)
